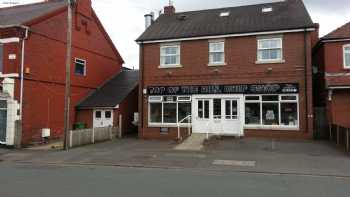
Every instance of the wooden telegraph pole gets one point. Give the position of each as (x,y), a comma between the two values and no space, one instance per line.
(68,79)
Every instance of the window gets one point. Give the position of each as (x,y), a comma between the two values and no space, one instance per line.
(217,108)
(169,110)
(108,114)
(224,14)
(231,107)
(98,114)
(347,56)
(272,110)
(203,109)
(216,52)
(1,57)
(170,55)
(80,67)
(270,50)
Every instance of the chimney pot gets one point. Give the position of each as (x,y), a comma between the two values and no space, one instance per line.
(169,10)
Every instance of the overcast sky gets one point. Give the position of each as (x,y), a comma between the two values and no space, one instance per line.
(124,19)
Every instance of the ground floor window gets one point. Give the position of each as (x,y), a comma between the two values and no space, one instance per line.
(272,110)
(169,109)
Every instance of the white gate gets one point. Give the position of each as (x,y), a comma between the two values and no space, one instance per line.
(218,114)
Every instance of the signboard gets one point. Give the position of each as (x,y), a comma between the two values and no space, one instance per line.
(285,88)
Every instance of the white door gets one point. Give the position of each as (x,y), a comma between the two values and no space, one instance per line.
(218,114)
(103,118)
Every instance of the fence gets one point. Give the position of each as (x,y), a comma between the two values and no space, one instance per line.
(340,135)
(91,136)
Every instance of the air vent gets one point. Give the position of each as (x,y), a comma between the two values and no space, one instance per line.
(224,14)
(266,9)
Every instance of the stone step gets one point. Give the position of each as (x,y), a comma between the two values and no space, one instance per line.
(192,143)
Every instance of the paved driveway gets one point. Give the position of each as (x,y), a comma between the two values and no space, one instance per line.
(245,155)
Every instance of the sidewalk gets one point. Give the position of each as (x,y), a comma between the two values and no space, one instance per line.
(248,155)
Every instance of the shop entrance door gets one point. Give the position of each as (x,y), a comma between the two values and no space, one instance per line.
(218,114)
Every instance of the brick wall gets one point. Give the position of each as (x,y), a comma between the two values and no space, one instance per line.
(241,55)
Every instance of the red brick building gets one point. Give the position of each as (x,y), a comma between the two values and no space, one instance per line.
(332,58)
(33,43)
(240,71)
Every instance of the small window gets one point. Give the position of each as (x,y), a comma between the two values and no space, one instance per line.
(252,98)
(98,114)
(347,56)
(266,9)
(108,114)
(80,67)
(270,49)
(3,104)
(224,14)
(155,99)
(184,98)
(217,52)
(170,55)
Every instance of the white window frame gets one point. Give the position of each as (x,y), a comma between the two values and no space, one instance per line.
(160,99)
(280,101)
(346,52)
(178,55)
(213,51)
(84,64)
(262,61)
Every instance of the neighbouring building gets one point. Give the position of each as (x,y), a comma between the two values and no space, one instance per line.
(32,65)
(238,71)
(332,81)
(113,104)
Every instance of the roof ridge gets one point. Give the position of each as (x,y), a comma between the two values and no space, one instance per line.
(31,4)
(241,6)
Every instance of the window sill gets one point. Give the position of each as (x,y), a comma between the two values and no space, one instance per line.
(170,66)
(216,64)
(271,127)
(168,125)
(270,62)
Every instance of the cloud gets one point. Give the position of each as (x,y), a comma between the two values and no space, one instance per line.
(124,19)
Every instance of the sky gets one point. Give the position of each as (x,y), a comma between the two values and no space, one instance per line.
(124,19)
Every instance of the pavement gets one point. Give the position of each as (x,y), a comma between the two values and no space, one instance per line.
(314,158)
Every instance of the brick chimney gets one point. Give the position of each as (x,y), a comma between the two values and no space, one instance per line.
(169,10)
(84,7)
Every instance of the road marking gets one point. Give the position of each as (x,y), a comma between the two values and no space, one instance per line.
(234,163)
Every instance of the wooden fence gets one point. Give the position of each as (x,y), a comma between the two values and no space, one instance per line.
(91,136)
(340,135)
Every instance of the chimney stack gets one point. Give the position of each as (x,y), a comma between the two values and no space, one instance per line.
(149,18)
(169,10)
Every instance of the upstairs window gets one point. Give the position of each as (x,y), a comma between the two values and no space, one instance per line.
(80,67)
(1,57)
(170,55)
(270,50)
(347,56)
(216,52)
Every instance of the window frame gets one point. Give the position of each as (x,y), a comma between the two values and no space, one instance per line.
(162,101)
(178,55)
(210,52)
(262,61)
(345,53)
(83,62)
(280,101)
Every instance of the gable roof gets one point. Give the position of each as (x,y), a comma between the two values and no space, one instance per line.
(113,92)
(19,15)
(342,32)
(286,15)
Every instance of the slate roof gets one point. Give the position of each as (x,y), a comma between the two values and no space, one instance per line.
(342,32)
(113,92)
(19,15)
(286,15)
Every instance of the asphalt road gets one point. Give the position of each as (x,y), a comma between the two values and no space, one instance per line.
(22,180)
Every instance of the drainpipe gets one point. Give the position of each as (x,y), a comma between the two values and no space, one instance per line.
(306,81)
(22,72)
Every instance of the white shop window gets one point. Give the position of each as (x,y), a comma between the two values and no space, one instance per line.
(270,50)
(347,56)
(216,53)
(170,56)
(169,110)
(272,111)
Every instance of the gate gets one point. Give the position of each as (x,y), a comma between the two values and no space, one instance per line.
(3,120)
(321,123)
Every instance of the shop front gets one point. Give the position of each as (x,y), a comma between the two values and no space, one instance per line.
(225,109)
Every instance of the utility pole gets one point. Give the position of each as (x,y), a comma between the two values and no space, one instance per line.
(68,78)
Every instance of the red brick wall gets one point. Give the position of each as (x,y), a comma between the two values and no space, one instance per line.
(241,55)
(127,109)
(45,53)
(85,116)
(333,57)
(339,108)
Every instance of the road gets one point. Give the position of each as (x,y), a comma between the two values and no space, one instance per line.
(29,180)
